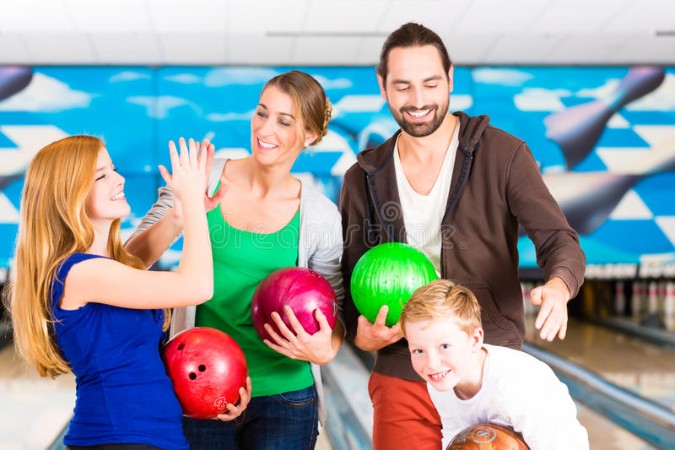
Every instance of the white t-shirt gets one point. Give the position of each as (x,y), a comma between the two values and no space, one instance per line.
(422,214)
(519,391)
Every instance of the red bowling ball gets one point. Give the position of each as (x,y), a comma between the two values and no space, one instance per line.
(304,290)
(207,368)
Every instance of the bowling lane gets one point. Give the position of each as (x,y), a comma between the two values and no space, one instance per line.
(626,361)
(603,434)
(34,410)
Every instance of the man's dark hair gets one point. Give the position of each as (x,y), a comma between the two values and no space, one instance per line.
(411,35)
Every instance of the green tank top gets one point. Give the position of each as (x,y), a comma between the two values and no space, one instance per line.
(241,259)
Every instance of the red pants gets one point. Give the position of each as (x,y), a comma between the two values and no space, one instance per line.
(404,416)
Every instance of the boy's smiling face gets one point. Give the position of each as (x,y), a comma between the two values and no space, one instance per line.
(444,355)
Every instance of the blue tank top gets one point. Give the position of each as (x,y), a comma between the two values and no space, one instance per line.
(123,392)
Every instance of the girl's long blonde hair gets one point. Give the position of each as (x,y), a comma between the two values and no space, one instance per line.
(54,224)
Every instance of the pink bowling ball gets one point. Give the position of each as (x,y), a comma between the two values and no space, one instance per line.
(304,290)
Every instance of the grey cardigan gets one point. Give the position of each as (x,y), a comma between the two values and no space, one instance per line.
(319,248)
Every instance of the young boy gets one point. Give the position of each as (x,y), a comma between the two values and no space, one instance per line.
(475,382)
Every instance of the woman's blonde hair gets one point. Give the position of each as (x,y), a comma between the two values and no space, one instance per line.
(443,299)
(54,224)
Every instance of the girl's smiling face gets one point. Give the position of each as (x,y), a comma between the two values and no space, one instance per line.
(106,200)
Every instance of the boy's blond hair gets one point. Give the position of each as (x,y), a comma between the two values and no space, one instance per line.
(443,299)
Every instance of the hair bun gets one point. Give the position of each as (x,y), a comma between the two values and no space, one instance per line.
(328,112)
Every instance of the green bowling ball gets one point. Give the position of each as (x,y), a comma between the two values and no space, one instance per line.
(388,274)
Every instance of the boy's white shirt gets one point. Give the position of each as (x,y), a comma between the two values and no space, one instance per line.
(521,392)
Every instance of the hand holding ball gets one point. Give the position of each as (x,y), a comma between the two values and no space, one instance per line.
(207,369)
(303,290)
(388,274)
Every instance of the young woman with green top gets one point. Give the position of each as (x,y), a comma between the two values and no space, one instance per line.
(266,220)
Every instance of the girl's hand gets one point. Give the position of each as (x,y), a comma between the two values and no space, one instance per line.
(188,175)
(205,148)
(297,343)
(234,411)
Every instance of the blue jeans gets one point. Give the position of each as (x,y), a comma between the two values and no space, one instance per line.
(287,421)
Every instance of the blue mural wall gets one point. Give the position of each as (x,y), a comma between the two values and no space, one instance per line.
(604,138)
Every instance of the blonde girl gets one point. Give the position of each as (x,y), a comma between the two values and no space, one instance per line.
(79,302)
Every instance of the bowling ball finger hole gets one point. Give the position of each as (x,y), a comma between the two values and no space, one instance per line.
(181,346)
(193,375)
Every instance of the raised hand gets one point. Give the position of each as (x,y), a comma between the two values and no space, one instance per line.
(188,174)
(207,149)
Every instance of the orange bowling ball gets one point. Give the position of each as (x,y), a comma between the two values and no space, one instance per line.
(487,436)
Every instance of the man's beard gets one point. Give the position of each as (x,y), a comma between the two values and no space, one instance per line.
(420,129)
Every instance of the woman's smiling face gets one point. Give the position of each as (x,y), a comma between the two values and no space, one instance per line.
(277,130)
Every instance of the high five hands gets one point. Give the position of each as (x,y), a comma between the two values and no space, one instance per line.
(206,152)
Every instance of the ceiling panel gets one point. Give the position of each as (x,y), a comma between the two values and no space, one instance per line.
(329,32)
(644,49)
(262,16)
(60,48)
(196,16)
(118,48)
(500,16)
(194,48)
(260,49)
(470,48)
(506,49)
(578,16)
(20,15)
(325,50)
(343,16)
(108,15)
(645,15)
(574,48)
(442,16)
(368,52)
(14,49)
